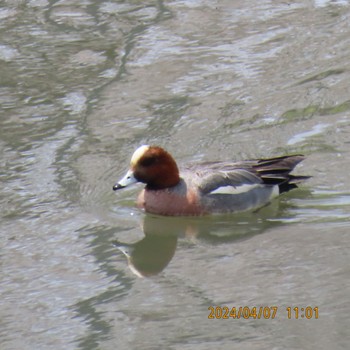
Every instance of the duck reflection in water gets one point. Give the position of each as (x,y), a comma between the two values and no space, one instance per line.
(151,255)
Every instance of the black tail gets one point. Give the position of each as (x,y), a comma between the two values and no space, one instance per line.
(276,171)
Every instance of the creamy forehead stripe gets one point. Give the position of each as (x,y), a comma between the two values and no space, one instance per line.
(138,154)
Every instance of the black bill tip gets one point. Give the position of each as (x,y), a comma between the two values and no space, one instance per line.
(117,187)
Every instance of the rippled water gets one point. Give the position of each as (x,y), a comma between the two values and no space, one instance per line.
(85,83)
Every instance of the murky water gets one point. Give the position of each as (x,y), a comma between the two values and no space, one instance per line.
(85,83)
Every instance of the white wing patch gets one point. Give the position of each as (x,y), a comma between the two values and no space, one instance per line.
(243,189)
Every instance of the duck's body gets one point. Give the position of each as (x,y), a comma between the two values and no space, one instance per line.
(208,188)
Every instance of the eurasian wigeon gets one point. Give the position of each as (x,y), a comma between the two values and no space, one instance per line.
(207,188)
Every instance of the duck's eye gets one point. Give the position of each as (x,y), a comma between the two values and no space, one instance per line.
(148,161)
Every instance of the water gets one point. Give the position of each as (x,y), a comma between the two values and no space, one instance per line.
(83,85)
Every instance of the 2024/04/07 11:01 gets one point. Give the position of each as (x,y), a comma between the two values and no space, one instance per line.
(262,312)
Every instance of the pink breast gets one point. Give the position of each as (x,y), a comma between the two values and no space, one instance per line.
(165,202)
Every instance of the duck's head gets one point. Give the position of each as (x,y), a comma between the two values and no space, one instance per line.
(153,166)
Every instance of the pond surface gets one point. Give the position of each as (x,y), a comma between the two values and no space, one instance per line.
(83,84)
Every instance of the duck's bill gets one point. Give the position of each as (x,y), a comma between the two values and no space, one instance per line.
(127,180)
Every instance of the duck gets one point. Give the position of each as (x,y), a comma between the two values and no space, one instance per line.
(216,187)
